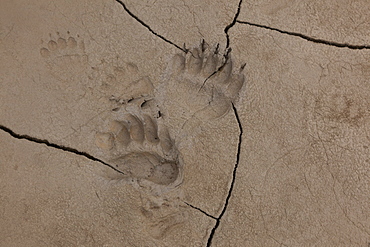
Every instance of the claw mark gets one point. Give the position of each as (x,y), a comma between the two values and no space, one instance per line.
(226,57)
(186,76)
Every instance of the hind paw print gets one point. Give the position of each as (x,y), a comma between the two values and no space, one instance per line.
(139,147)
(199,86)
(119,81)
(65,57)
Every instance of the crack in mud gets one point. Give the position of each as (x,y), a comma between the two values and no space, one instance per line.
(148,27)
(218,219)
(226,30)
(227,48)
(308,38)
(56,146)
(226,57)
(200,210)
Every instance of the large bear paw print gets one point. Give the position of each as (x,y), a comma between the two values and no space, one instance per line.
(139,147)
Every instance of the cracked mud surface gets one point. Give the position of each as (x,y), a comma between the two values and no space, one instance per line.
(125,123)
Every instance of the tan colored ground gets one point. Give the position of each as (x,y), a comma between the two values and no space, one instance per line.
(112,136)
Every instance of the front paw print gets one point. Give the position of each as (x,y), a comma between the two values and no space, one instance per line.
(198,87)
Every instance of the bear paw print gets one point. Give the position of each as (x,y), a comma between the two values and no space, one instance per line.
(198,87)
(139,147)
(66,58)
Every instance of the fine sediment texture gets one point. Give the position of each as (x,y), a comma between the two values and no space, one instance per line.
(267,122)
